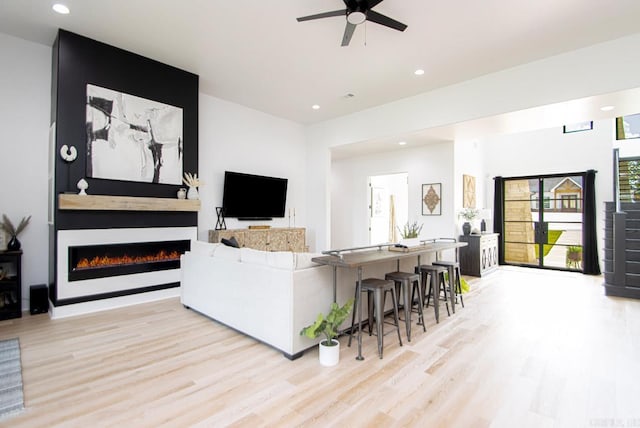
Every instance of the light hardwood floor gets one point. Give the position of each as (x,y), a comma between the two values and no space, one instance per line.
(531,349)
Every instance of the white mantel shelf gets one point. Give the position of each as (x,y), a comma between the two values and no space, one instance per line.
(124,203)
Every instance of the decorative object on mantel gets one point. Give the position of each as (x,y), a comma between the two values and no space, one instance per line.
(7,226)
(193,182)
(469,214)
(220,223)
(182,193)
(83,186)
(68,154)
(410,233)
(329,348)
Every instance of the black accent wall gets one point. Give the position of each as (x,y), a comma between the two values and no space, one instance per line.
(78,61)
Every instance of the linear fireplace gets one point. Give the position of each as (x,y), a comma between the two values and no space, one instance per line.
(102,263)
(98,261)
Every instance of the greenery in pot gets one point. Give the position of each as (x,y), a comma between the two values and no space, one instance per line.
(328,325)
(410,230)
(469,214)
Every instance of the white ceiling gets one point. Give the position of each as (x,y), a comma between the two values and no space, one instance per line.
(256,54)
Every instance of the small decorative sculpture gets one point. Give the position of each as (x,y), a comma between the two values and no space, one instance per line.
(82,185)
(68,154)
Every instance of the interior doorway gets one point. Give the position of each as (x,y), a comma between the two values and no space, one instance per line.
(388,206)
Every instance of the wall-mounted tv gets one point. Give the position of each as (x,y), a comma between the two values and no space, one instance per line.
(253,197)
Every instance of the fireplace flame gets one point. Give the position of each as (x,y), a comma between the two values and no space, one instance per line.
(108,261)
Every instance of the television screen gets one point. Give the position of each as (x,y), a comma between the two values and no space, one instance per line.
(253,197)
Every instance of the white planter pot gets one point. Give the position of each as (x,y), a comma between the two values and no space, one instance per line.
(410,242)
(329,355)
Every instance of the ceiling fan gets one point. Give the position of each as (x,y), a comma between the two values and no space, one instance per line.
(357,12)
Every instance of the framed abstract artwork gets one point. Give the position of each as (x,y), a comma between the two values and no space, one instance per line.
(432,199)
(131,138)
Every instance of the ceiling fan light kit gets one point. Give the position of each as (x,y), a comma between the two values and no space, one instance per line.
(357,12)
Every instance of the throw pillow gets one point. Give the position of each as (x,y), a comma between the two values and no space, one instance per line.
(231,242)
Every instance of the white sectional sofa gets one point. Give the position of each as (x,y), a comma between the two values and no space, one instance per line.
(269,296)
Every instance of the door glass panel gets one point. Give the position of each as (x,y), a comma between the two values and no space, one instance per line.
(521,254)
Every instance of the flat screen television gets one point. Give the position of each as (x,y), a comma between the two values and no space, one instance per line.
(253,197)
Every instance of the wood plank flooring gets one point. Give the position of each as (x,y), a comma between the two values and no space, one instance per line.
(531,349)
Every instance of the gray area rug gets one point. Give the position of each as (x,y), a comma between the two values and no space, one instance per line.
(11,397)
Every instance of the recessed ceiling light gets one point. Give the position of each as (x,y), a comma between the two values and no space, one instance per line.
(315,107)
(61,9)
(419,72)
(607,108)
(402,143)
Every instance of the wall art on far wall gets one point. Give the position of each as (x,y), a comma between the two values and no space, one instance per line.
(468,191)
(432,199)
(133,139)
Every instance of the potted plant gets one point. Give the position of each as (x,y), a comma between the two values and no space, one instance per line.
(410,233)
(468,214)
(328,325)
(7,226)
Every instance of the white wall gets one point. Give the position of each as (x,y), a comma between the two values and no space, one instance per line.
(426,164)
(236,138)
(585,72)
(25,85)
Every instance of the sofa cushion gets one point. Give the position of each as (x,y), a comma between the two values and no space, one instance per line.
(231,242)
(227,253)
(303,260)
(203,248)
(275,259)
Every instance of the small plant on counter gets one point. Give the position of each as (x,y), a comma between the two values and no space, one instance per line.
(410,230)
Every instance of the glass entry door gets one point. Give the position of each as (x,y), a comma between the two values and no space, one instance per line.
(543,221)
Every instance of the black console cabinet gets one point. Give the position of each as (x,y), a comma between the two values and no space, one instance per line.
(10,284)
(480,256)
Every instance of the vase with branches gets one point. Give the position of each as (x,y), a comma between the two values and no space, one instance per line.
(8,227)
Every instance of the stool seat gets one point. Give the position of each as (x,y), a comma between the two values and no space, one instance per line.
(446,263)
(432,268)
(373,283)
(402,276)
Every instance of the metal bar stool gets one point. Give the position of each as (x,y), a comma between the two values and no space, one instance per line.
(376,290)
(437,285)
(404,280)
(455,286)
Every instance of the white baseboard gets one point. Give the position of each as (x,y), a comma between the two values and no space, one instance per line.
(57,312)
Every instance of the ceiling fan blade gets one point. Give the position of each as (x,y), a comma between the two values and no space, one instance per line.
(342,12)
(348,33)
(385,20)
(374,3)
